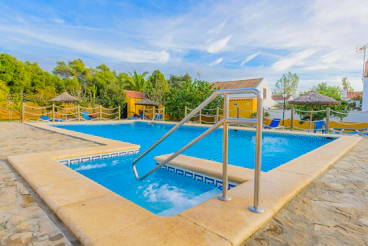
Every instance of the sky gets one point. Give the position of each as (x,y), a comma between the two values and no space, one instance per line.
(211,40)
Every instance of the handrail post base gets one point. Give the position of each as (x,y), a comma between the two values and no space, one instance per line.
(224,199)
(256,210)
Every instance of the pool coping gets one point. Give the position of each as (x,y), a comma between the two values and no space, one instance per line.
(98,216)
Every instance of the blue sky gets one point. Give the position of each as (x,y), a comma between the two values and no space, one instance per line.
(223,40)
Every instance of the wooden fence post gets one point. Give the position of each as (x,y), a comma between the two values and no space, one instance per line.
(292,119)
(22,119)
(153,113)
(100,112)
(53,112)
(185,111)
(78,112)
(163,113)
(328,120)
(217,114)
(119,112)
(200,116)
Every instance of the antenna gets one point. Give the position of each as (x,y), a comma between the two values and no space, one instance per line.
(362,49)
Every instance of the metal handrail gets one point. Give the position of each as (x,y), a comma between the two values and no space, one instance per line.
(223,122)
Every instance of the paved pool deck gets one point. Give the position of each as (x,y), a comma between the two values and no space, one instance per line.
(305,225)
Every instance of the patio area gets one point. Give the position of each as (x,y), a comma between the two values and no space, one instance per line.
(332,210)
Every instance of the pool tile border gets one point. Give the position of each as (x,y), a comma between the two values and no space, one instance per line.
(203,224)
(81,159)
(197,176)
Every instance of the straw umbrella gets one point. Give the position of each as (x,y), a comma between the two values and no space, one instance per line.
(146,102)
(64,97)
(313,98)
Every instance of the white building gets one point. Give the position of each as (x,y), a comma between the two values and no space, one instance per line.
(279,99)
(365,89)
(350,96)
(259,83)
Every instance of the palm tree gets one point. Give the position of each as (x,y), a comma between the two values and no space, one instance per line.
(135,81)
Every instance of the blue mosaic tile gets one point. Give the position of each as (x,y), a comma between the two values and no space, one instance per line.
(74,161)
(210,181)
(114,155)
(198,177)
(105,156)
(189,174)
(179,172)
(97,157)
(171,169)
(84,159)
(122,153)
(64,162)
(131,152)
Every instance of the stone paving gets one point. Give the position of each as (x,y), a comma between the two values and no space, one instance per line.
(24,218)
(333,210)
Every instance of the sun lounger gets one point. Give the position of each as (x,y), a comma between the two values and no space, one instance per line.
(275,124)
(318,126)
(85,116)
(45,118)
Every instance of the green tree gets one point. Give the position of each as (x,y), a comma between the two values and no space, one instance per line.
(190,94)
(156,87)
(104,76)
(92,91)
(36,77)
(331,91)
(62,70)
(289,83)
(133,81)
(12,72)
(346,83)
(112,95)
(175,80)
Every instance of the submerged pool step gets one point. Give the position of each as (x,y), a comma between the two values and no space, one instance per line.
(209,172)
(192,202)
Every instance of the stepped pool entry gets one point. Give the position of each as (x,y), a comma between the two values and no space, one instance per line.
(165,193)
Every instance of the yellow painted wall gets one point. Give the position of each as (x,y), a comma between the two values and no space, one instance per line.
(247,107)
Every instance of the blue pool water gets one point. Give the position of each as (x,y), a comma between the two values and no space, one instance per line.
(166,193)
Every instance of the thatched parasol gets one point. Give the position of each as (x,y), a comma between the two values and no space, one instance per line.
(64,97)
(146,102)
(313,98)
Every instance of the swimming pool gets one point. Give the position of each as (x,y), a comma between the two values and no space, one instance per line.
(277,148)
(165,193)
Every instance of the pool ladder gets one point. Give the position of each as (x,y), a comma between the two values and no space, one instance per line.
(223,122)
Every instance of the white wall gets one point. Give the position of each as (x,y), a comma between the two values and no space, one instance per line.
(365,95)
(268,102)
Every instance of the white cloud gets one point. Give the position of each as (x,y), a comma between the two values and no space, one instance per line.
(58,20)
(216,62)
(218,28)
(292,60)
(248,58)
(219,45)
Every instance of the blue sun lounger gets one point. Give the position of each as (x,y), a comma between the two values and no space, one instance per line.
(318,126)
(86,117)
(274,124)
(45,118)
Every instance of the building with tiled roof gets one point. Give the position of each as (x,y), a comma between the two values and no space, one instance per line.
(259,83)
(134,94)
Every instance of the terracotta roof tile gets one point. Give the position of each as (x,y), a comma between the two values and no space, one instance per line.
(279,97)
(354,94)
(245,83)
(134,94)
